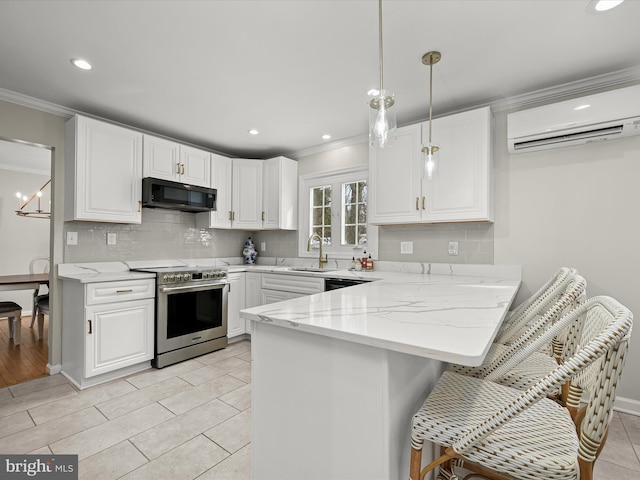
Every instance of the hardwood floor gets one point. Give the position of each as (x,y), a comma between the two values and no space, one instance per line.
(26,361)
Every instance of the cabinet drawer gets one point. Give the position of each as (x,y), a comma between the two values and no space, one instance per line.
(292,283)
(108,292)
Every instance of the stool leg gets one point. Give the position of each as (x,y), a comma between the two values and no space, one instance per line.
(416,463)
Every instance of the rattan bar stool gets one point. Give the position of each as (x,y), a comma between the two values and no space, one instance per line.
(520,368)
(505,433)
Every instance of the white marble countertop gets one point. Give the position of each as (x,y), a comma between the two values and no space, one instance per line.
(452,318)
(99,272)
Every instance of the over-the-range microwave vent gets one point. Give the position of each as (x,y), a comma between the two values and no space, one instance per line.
(594,118)
(157,193)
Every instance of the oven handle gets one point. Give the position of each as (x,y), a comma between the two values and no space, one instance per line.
(193,288)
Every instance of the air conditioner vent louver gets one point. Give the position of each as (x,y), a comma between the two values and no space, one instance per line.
(607,116)
(588,135)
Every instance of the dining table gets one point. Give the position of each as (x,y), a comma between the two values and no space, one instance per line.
(23,281)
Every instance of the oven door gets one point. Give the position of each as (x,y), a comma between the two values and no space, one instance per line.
(190,314)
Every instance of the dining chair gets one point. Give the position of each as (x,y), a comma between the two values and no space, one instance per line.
(503,433)
(13,312)
(40,301)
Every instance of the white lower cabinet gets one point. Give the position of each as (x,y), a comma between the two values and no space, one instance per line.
(107,329)
(118,336)
(277,287)
(236,302)
(252,295)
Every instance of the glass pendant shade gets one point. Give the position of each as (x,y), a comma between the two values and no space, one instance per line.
(382,120)
(430,159)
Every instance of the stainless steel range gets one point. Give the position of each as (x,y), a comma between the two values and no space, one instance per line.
(191,312)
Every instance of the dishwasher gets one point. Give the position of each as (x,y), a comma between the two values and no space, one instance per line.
(335,283)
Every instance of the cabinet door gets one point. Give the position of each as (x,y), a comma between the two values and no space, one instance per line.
(195,166)
(395,177)
(273,296)
(460,188)
(236,302)
(280,194)
(252,295)
(118,335)
(221,171)
(161,158)
(247,194)
(108,172)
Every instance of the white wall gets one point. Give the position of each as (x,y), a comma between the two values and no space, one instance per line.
(22,238)
(574,206)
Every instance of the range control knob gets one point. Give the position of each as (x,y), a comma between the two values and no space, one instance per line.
(171,277)
(165,278)
(186,277)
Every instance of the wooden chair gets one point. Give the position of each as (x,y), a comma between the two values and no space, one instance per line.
(13,312)
(505,433)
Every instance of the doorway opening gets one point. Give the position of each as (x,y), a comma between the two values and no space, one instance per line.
(25,246)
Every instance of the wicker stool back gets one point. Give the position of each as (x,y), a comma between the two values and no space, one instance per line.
(524,435)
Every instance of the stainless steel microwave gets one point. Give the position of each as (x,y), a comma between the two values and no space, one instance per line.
(177,196)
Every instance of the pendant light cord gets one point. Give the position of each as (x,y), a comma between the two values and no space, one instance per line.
(380,37)
(430,98)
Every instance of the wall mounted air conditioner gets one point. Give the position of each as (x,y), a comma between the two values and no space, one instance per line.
(594,118)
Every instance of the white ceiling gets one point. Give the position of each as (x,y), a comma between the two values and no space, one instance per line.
(205,72)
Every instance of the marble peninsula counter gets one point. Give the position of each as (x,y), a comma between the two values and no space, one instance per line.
(337,375)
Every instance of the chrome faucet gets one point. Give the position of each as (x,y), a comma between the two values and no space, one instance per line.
(321,260)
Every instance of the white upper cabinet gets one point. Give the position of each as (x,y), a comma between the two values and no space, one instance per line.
(103,172)
(246,194)
(169,160)
(280,194)
(195,166)
(238,183)
(460,189)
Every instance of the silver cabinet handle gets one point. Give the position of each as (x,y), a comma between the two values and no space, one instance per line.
(90,329)
(125,291)
(417,200)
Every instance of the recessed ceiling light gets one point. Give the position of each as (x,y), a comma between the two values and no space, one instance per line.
(80,63)
(601,6)
(582,107)
(326,136)
(253,131)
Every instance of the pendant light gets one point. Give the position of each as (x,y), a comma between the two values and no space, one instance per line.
(430,152)
(382,115)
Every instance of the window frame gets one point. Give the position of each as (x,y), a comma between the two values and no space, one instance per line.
(335,178)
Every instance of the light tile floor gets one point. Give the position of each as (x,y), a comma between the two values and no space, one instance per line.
(186,421)
(190,420)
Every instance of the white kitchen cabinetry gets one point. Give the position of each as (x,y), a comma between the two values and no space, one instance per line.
(460,189)
(169,160)
(236,302)
(238,183)
(107,330)
(280,194)
(103,179)
(276,287)
(246,194)
(252,295)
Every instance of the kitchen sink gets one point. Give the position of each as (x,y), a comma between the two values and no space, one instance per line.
(312,269)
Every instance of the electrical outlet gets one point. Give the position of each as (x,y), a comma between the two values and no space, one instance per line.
(263,246)
(406,248)
(72,238)
(111,238)
(453,248)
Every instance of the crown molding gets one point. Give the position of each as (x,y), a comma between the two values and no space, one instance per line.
(545,95)
(571,89)
(35,103)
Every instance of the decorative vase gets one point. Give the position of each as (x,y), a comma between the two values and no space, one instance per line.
(249,252)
